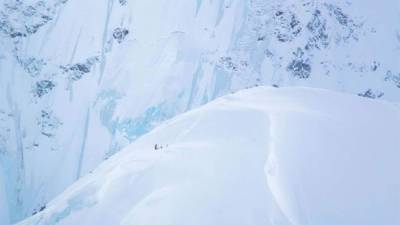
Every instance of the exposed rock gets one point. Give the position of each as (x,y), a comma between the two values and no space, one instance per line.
(123,2)
(78,70)
(317,27)
(120,34)
(371,94)
(300,66)
(392,77)
(43,87)
(32,65)
(287,26)
(48,123)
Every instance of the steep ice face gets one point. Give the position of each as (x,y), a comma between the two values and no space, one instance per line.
(79,80)
(261,156)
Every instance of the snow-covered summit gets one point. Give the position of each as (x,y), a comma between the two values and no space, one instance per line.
(262,156)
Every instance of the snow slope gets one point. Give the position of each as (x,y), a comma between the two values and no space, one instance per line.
(80,80)
(261,156)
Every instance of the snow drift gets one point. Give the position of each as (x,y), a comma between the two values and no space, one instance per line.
(262,156)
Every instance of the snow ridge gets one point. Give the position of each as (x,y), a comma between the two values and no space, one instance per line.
(261,156)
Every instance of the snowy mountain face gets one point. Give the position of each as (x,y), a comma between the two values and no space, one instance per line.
(250,158)
(80,80)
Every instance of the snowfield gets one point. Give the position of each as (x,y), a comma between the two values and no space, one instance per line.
(261,156)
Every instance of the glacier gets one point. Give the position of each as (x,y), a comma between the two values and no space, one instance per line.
(81,80)
(260,156)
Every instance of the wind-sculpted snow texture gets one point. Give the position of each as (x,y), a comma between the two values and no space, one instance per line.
(261,156)
(80,80)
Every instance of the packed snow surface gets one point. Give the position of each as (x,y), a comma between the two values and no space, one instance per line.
(261,156)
